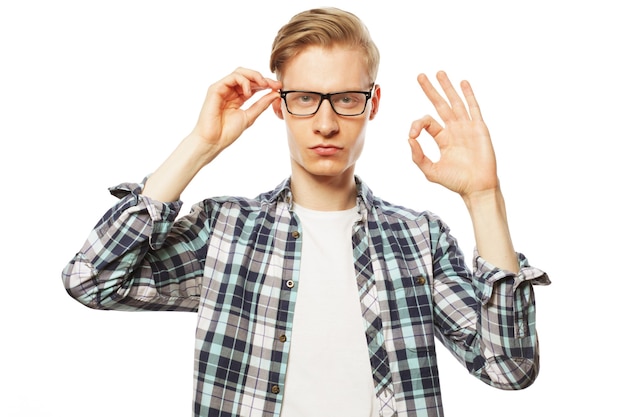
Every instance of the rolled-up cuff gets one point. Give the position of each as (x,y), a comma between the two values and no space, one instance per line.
(161,214)
(486,275)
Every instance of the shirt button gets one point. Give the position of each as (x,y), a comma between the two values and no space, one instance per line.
(275,389)
(282,338)
(290,283)
(295,234)
(421,280)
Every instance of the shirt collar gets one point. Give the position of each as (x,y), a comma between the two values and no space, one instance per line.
(282,193)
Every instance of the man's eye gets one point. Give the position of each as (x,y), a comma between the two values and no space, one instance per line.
(347,100)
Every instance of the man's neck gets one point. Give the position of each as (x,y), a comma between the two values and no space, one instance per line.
(324,193)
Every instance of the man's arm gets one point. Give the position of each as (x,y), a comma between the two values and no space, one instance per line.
(139,256)
(132,259)
(490,322)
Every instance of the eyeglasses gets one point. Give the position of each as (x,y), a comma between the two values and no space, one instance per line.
(307,103)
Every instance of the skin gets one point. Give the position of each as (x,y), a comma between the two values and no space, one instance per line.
(467,166)
(323,179)
(325,147)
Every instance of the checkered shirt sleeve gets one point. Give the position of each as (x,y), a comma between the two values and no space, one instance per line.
(121,266)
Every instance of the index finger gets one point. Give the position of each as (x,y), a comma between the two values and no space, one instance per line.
(250,81)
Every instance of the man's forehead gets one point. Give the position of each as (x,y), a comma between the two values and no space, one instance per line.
(326,70)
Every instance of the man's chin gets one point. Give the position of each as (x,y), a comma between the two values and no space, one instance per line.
(328,174)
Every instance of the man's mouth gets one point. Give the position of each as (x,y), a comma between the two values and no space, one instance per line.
(324,150)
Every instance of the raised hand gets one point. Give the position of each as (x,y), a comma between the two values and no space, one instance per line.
(222,119)
(467,163)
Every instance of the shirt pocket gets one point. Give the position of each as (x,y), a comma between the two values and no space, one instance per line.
(413,317)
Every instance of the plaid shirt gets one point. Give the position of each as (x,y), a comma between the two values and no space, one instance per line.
(235,262)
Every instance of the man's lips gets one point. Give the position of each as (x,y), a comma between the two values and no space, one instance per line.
(325,150)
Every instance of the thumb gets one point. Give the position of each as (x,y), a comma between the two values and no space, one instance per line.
(255,110)
(423,162)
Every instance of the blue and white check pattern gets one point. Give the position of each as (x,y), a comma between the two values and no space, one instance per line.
(235,262)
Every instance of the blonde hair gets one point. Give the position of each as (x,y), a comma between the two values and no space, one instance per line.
(326,27)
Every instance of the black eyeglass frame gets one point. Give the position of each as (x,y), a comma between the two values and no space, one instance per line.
(327,96)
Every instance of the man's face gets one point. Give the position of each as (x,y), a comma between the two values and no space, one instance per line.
(326,144)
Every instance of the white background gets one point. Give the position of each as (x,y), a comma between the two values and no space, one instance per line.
(95,93)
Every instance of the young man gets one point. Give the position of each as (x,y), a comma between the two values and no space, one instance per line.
(318,298)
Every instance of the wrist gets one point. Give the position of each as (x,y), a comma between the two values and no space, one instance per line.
(483,199)
(172,177)
(197,151)
(491,230)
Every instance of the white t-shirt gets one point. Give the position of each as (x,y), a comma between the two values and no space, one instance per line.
(328,372)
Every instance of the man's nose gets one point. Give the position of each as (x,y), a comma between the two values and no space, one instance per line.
(326,119)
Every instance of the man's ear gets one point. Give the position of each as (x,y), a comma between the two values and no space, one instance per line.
(277,106)
(375,101)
